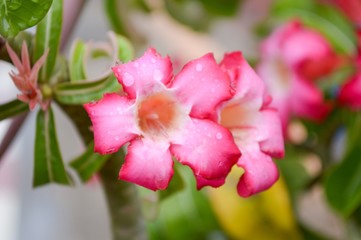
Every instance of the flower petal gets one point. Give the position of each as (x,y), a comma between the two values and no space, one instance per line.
(271,127)
(250,89)
(304,44)
(202,182)
(350,93)
(25,57)
(307,101)
(202,85)
(113,121)
(148,164)
(144,74)
(14,58)
(206,147)
(260,173)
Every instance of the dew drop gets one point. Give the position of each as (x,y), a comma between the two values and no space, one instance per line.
(136,64)
(152,60)
(219,135)
(116,138)
(199,67)
(128,80)
(157,75)
(213,90)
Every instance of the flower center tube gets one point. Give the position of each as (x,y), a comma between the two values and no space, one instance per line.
(157,114)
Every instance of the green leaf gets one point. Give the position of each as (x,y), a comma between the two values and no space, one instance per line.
(343,183)
(76,62)
(84,92)
(48,166)
(18,15)
(114,17)
(125,50)
(12,108)
(48,34)
(221,8)
(120,49)
(326,19)
(189,12)
(89,163)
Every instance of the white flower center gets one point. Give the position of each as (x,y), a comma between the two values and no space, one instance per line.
(158,114)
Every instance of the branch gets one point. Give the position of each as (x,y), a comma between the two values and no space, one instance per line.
(71,10)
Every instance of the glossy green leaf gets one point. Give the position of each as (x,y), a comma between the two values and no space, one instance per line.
(12,108)
(76,61)
(343,183)
(48,34)
(326,19)
(89,163)
(18,15)
(84,92)
(48,166)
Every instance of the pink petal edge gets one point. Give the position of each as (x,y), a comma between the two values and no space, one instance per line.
(144,74)
(113,122)
(207,148)
(260,173)
(148,164)
(202,85)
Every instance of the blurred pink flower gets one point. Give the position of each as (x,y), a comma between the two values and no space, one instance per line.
(163,116)
(352,9)
(292,58)
(255,126)
(26,80)
(350,92)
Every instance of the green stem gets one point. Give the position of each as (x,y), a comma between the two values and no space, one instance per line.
(123,202)
(122,197)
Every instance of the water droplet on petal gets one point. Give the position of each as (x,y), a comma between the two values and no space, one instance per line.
(152,60)
(199,67)
(213,90)
(128,80)
(136,64)
(219,135)
(116,138)
(157,75)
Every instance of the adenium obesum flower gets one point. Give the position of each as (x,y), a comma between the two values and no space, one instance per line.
(26,80)
(350,92)
(292,58)
(255,126)
(162,116)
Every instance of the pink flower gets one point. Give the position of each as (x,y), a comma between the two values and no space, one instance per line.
(26,80)
(255,126)
(292,58)
(350,92)
(163,116)
(352,9)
